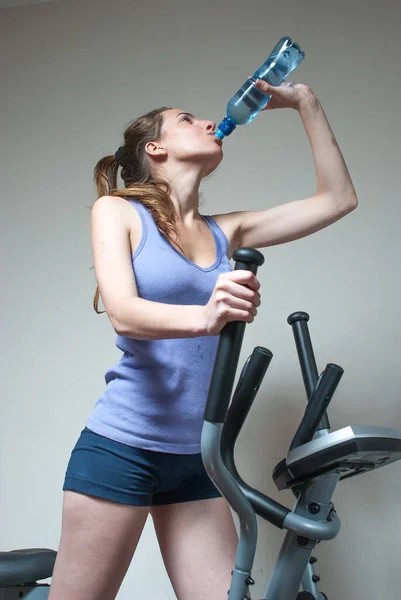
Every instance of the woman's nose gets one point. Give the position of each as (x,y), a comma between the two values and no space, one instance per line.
(210,125)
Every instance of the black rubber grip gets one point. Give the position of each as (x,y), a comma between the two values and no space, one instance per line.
(317,405)
(229,348)
(299,323)
(247,387)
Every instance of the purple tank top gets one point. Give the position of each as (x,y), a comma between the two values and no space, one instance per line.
(155,395)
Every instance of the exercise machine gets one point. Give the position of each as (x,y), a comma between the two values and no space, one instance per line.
(21,570)
(317,460)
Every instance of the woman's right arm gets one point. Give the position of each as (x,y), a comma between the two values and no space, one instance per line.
(137,318)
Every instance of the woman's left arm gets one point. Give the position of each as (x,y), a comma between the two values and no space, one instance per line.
(335,194)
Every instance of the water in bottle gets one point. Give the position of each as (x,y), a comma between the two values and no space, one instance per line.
(249,100)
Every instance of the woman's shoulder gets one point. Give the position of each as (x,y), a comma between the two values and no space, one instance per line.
(115,208)
(114,204)
(104,203)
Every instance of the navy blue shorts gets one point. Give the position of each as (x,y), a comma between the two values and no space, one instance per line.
(113,471)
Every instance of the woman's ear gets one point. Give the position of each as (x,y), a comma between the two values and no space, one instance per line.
(155,149)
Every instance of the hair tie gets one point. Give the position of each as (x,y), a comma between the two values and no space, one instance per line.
(118,154)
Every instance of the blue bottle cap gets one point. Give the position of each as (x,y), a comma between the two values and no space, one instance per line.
(226,127)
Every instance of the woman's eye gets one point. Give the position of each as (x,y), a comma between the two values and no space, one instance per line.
(186,118)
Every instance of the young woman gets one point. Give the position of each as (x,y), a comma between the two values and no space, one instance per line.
(164,277)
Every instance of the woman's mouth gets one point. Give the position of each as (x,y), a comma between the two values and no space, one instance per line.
(220,142)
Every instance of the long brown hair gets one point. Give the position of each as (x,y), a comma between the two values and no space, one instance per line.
(137,177)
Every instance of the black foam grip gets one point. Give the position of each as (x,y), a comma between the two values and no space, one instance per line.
(299,323)
(320,399)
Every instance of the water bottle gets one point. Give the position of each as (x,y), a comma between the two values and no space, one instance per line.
(249,100)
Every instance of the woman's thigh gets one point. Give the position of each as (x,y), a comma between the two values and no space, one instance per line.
(98,540)
(198,542)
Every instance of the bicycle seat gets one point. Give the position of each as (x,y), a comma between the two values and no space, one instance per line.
(349,451)
(19,567)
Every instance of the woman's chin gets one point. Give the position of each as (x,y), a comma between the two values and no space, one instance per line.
(213,162)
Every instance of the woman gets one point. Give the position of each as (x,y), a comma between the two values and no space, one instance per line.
(164,277)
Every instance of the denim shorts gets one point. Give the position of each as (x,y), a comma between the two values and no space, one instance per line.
(114,471)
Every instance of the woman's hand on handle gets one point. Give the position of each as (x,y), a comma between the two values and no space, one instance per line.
(235,297)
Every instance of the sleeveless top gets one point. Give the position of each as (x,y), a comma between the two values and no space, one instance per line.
(155,395)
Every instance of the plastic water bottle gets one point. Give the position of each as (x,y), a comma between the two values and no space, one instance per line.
(249,100)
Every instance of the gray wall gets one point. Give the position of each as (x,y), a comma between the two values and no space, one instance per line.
(73,74)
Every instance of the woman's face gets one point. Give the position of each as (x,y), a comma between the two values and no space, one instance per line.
(187,139)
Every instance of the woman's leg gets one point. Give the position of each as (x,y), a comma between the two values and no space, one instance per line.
(198,542)
(98,540)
